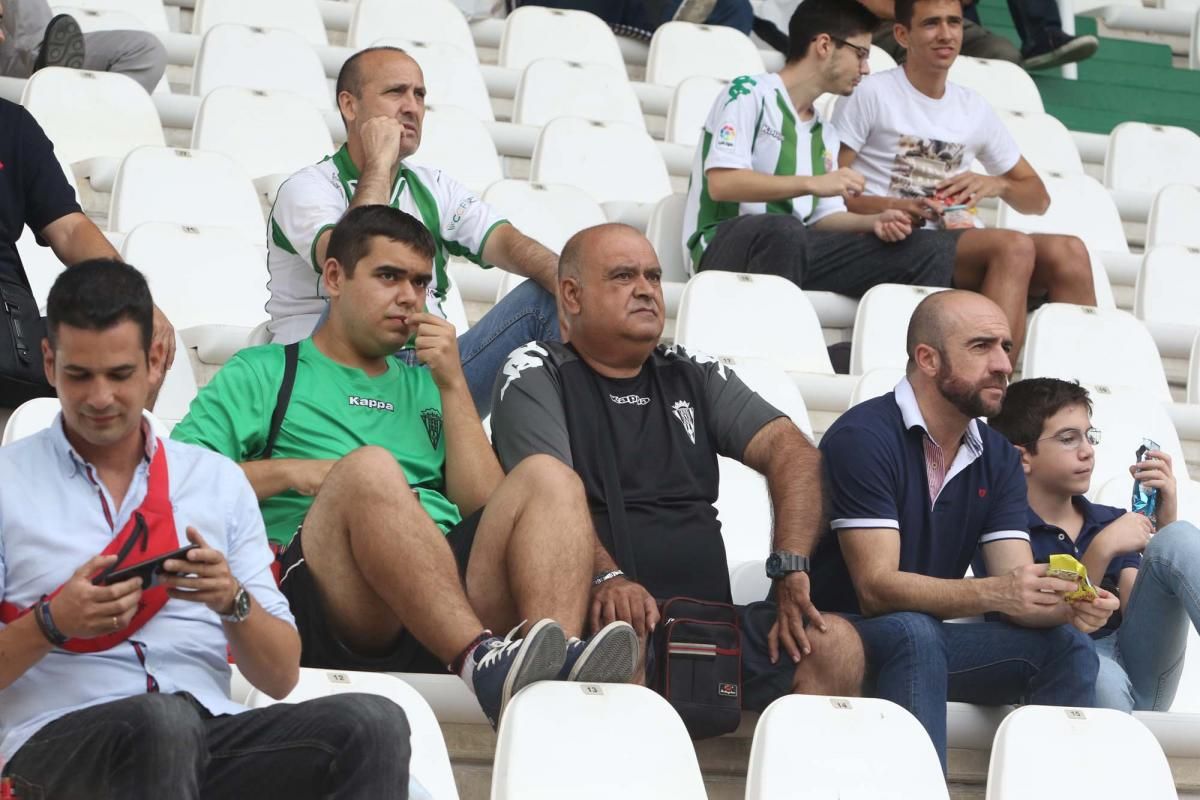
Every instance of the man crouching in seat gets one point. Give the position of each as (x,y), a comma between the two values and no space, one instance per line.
(666,414)
(118,686)
(414,545)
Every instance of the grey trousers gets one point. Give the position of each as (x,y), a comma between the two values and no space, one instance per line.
(137,54)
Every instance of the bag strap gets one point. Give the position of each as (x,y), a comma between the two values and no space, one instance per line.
(291,357)
(12,310)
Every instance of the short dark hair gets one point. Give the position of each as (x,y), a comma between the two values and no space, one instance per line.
(840,19)
(349,77)
(904,11)
(351,237)
(96,295)
(1029,403)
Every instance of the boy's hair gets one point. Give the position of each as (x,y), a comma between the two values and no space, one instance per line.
(351,237)
(1029,403)
(96,295)
(840,19)
(904,11)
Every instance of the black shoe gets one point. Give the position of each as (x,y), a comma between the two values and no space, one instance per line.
(62,45)
(1063,49)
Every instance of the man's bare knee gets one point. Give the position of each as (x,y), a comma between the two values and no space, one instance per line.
(837,662)
(365,473)
(548,479)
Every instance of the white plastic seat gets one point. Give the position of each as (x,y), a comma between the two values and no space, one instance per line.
(1193,381)
(554,729)
(1167,290)
(665,233)
(551,88)
(267,59)
(457,143)
(875,383)
(302,17)
(1173,216)
(1092,345)
(775,321)
(429,762)
(1145,158)
(680,50)
(150,15)
(452,77)
(549,213)
(535,32)
(881,324)
(150,183)
(690,105)
(414,20)
(179,387)
(267,133)
(94,19)
(76,108)
(1095,736)
(844,747)
(611,161)
(1003,84)
(1044,141)
(748,581)
(1125,416)
(37,415)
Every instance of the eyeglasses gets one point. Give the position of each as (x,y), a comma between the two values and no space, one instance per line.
(864,53)
(1071,439)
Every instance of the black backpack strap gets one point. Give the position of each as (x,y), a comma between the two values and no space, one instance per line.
(291,357)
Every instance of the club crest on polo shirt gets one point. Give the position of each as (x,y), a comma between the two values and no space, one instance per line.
(686,415)
(367,402)
(433,425)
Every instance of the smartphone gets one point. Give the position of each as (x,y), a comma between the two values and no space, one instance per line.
(150,571)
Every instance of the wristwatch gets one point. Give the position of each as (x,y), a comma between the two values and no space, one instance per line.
(782,563)
(241,607)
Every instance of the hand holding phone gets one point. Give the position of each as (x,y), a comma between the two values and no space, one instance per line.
(150,571)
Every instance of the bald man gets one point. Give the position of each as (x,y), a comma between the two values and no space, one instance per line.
(917,486)
(381,97)
(666,415)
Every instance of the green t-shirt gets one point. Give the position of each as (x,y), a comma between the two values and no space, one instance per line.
(334,410)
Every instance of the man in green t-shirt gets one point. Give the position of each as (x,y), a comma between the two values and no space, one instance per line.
(400,566)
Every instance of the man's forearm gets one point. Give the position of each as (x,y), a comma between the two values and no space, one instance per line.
(602,559)
(944,598)
(1027,195)
(472,471)
(519,254)
(374,187)
(794,481)
(75,239)
(266,650)
(270,477)
(871,204)
(22,645)
(748,186)
(845,222)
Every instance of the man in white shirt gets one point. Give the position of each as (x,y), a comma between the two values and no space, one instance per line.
(765,195)
(914,135)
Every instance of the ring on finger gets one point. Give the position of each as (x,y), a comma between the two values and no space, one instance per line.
(116,624)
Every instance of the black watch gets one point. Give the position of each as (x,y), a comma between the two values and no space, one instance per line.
(781,563)
(241,607)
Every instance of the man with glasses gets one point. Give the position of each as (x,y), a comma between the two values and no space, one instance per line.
(1141,647)
(765,195)
(917,487)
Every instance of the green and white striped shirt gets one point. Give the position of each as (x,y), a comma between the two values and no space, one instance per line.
(754,126)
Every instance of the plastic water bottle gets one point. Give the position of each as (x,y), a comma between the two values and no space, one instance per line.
(1145,500)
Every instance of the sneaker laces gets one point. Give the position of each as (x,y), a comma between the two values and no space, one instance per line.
(500,648)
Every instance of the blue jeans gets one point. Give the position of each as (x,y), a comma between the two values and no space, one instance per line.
(920,662)
(730,13)
(1141,663)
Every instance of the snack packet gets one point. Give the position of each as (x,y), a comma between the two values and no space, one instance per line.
(1145,500)
(1067,568)
(958,217)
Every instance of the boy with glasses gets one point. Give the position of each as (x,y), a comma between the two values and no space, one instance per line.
(1154,574)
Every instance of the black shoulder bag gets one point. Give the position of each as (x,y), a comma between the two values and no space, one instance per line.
(22,376)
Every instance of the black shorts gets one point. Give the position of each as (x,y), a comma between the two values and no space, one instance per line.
(320,646)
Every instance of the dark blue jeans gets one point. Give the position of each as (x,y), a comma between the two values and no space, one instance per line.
(920,662)
(637,13)
(155,746)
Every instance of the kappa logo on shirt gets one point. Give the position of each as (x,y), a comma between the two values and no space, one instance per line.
(367,402)
(686,415)
(629,400)
(774,133)
(519,361)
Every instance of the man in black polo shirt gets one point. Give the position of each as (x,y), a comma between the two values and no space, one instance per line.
(665,415)
(917,485)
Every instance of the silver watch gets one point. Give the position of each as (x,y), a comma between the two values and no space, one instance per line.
(241,606)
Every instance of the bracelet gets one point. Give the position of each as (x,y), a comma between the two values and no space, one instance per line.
(45,623)
(607,576)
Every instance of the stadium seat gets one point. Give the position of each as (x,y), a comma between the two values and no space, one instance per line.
(1003,84)
(1096,736)
(456,142)
(37,414)
(1193,380)
(611,161)
(1168,288)
(1145,158)
(551,214)
(414,20)
(665,232)
(1173,216)
(92,19)
(555,734)
(253,58)
(876,383)
(843,747)
(430,761)
(302,17)
(452,77)
(881,324)
(748,582)
(179,388)
(534,32)
(270,134)
(76,108)
(772,317)
(151,15)
(1044,141)
(690,105)
(680,50)
(150,183)
(1125,417)
(1093,345)
(551,88)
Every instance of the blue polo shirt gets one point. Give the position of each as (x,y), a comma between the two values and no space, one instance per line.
(874,461)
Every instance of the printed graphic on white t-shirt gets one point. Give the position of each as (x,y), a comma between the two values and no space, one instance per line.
(922,164)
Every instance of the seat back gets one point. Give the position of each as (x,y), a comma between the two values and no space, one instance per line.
(549,213)
(272,60)
(1126,416)
(534,32)
(680,50)
(151,15)
(452,76)
(1168,286)
(875,383)
(415,20)
(1173,216)
(1079,205)
(690,105)
(844,747)
(1145,158)
(772,317)
(37,414)
(302,17)
(1193,380)
(1003,84)
(881,324)
(611,161)
(1044,141)
(665,233)
(552,88)
(551,729)
(455,141)
(91,20)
